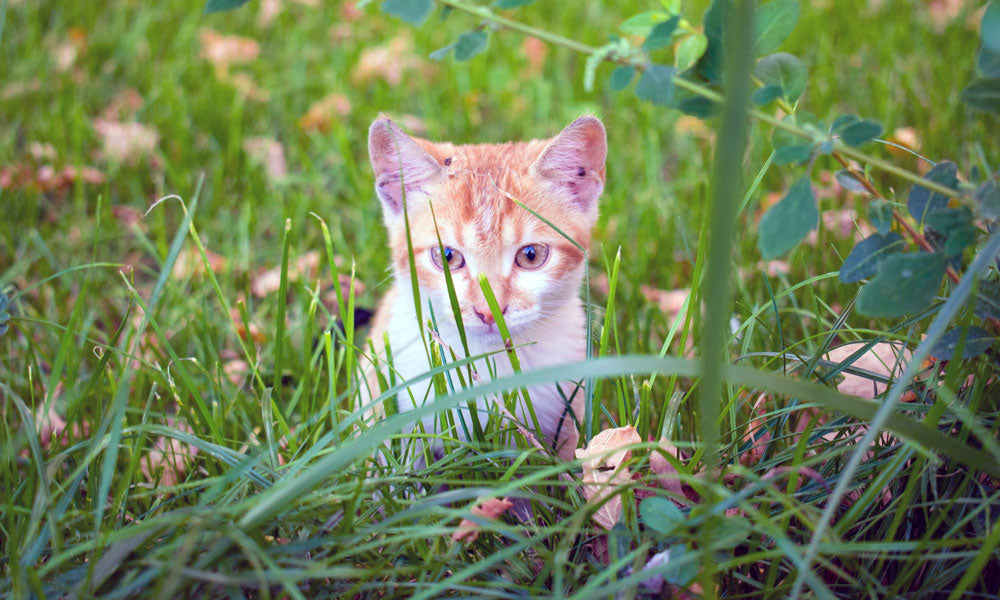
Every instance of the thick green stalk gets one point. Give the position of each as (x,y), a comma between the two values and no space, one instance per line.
(733,135)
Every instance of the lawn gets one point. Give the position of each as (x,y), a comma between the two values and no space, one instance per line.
(191,248)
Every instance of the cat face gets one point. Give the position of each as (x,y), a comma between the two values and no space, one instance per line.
(470,193)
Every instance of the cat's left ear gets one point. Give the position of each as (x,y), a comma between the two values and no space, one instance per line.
(573,162)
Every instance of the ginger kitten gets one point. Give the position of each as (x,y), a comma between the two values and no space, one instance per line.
(534,271)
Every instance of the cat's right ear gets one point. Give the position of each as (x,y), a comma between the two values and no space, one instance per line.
(400,165)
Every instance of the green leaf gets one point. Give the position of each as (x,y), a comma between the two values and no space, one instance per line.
(678,572)
(784,70)
(213,6)
(989,28)
(774,21)
(983,94)
(955,225)
(470,44)
(977,341)
(922,201)
(905,283)
(988,300)
(987,198)
(789,221)
(660,515)
(766,95)
(850,182)
(692,104)
(642,24)
(843,121)
(880,214)
(859,132)
(864,259)
(710,64)
(656,84)
(788,147)
(662,35)
(506,4)
(689,51)
(442,52)
(735,532)
(988,62)
(414,12)
(620,78)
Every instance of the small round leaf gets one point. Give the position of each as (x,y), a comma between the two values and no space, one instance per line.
(789,221)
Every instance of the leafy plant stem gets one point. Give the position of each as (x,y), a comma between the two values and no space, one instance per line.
(695,88)
(912,233)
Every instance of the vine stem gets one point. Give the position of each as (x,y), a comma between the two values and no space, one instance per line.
(698,89)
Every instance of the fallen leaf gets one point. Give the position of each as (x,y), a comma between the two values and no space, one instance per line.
(269,10)
(126,142)
(322,113)
(602,487)
(168,459)
(46,178)
(248,88)
(236,371)
(123,106)
(126,215)
(535,51)
(305,266)
(49,423)
(269,153)
(329,296)
(943,12)
(757,434)
(65,52)
(665,474)
(608,449)
(224,50)
(604,473)
(247,332)
(17,89)
(670,302)
(695,127)
(881,359)
(906,137)
(491,508)
(387,62)
(190,264)
(41,152)
(349,11)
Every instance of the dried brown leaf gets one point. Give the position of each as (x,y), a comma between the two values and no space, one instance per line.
(608,449)
(224,50)
(881,359)
(126,142)
(603,487)
(324,112)
(269,153)
(491,508)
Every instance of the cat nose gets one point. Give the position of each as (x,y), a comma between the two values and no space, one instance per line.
(485,314)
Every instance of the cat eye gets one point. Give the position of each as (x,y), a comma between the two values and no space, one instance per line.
(531,256)
(454,258)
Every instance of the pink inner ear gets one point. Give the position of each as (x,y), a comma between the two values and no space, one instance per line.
(574,161)
(398,160)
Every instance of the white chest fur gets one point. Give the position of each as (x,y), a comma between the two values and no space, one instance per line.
(558,339)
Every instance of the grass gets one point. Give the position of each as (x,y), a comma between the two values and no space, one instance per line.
(117,331)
